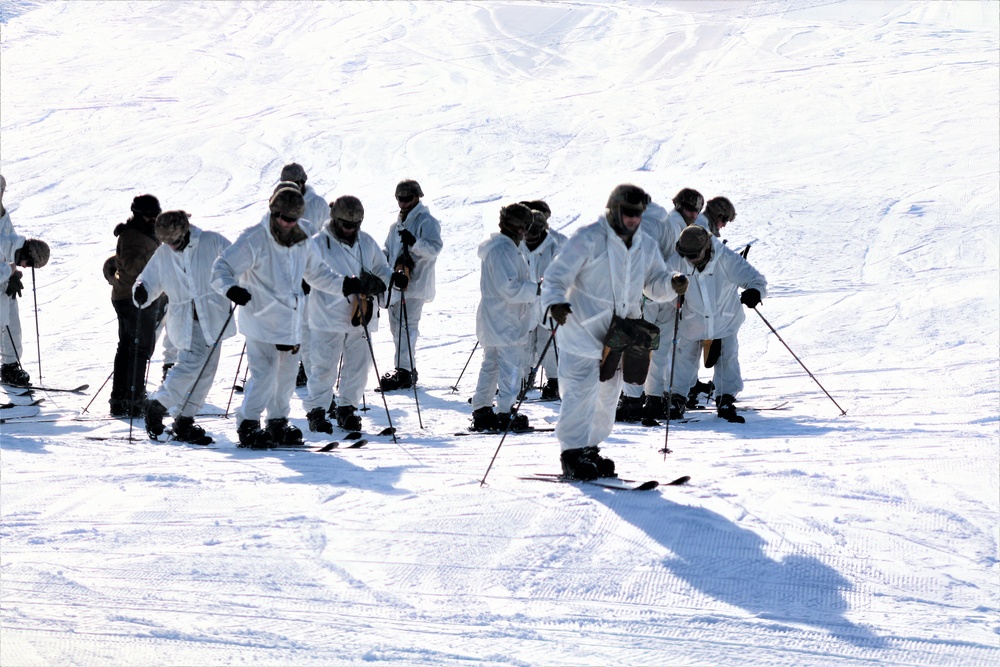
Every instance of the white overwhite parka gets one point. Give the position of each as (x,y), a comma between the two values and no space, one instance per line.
(712,307)
(332,312)
(539,260)
(427,230)
(10,243)
(185,277)
(508,292)
(273,275)
(664,226)
(317,211)
(599,276)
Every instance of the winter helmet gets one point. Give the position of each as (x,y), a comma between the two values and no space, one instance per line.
(294,173)
(719,210)
(408,188)
(147,206)
(35,251)
(287,200)
(539,205)
(631,198)
(347,209)
(515,218)
(694,244)
(689,199)
(172,226)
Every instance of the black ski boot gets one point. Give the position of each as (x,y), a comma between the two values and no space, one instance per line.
(576,465)
(727,410)
(629,409)
(400,379)
(13,374)
(605,466)
(677,405)
(550,392)
(348,419)
(484,419)
(283,433)
(155,412)
(185,430)
(699,387)
(518,422)
(253,436)
(654,408)
(301,379)
(318,423)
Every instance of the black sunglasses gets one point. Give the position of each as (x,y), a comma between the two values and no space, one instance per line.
(631,211)
(348,224)
(287,219)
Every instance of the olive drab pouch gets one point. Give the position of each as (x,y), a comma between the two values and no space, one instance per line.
(629,342)
(364,307)
(711,350)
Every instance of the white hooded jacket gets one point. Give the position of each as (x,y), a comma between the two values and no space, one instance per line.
(317,211)
(508,292)
(600,277)
(273,274)
(712,307)
(664,226)
(539,260)
(332,312)
(424,252)
(10,243)
(185,277)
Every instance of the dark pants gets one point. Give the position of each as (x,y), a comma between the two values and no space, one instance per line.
(134,351)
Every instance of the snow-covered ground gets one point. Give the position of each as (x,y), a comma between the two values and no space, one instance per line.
(860,143)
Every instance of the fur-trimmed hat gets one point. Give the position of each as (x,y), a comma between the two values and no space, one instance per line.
(294,172)
(515,216)
(693,241)
(287,200)
(171,226)
(147,206)
(35,251)
(539,205)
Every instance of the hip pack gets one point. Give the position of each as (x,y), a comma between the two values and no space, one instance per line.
(629,343)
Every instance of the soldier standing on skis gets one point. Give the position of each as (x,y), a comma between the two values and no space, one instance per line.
(16,252)
(198,320)
(339,323)
(503,320)
(263,272)
(317,212)
(412,247)
(594,290)
(542,244)
(136,244)
(711,311)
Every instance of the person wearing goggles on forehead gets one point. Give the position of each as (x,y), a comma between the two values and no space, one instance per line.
(316,213)
(337,321)
(600,275)
(719,212)
(503,321)
(709,274)
(181,269)
(264,272)
(411,247)
(136,244)
(542,245)
(16,252)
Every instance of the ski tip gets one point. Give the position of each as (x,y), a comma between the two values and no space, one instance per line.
(389,430)
(329,447)
(680,481)
(359,444)
(647,486)
(353,435)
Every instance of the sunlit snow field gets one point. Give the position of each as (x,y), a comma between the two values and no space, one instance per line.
(860,144)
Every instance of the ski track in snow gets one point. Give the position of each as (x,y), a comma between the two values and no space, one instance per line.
(859,143)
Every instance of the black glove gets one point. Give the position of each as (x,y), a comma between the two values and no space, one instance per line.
(750,298)
(306,288)
(14,285)
(352,285)
(680,283)
(407,238)
(140,294)
(400,280)
(372,284)
(559,312)
(238,295)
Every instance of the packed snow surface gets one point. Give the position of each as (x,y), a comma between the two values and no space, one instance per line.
(859,143)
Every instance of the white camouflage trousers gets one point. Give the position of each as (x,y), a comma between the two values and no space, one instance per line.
(587,411)
(328,349)
(271,384)
(501,369)
(180,380)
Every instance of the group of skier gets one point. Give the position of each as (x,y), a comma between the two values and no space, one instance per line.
(593,312)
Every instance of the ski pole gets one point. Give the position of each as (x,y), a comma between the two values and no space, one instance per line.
(371,351)
(513,412)
(409,352)
(454,387)
(673,360)
(774,331)
(13,347)
(215,346)
(233,387)
(96,393)
(38,337)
